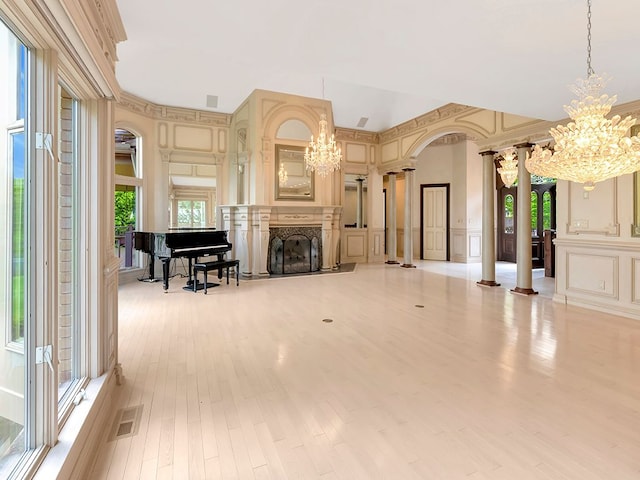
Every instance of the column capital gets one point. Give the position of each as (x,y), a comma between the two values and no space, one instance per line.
(487,152)
(408,169)
(524,145)
(392,173)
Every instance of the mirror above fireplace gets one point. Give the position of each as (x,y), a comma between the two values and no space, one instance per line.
(292,180)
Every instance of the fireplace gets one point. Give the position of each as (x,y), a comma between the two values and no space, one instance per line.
(295,249)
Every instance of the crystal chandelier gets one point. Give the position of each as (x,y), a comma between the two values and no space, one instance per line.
(282,175)
(509,167)
(320,156)
(591,148)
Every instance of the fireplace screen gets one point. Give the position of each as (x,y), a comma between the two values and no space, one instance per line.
(294,250)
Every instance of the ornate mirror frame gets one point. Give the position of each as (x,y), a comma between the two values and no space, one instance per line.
(292,180)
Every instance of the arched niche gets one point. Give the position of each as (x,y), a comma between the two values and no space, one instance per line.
(293,129)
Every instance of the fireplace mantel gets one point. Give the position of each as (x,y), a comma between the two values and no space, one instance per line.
(248,227)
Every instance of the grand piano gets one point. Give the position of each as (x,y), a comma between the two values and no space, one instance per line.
(181,243)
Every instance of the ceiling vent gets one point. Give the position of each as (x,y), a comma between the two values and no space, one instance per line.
(212,101)
(362,122)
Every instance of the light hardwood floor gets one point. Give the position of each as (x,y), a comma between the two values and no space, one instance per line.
(249,382)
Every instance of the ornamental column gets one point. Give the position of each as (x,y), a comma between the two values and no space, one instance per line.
(408,216)
(392,226)
(488,222)
(523,229)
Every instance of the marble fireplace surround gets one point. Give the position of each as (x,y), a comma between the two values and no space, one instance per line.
(249,228)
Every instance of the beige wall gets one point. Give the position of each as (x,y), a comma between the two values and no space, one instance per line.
(594,239)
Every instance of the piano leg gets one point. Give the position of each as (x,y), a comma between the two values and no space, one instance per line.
(191,280)
(152,273)
(165,273)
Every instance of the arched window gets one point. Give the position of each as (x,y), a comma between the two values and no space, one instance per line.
(508,214)
(534,214)
(546,210)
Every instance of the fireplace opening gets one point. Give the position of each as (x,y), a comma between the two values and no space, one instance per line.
(294,250)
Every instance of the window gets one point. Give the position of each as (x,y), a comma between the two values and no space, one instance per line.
(191,213)
(546,211)
(534,214)
(127,195)
(68,248)
(14,260)
(508,214)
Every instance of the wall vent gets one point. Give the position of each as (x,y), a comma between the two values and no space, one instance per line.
(126,423)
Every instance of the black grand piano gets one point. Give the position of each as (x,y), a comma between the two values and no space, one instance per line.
(181,243)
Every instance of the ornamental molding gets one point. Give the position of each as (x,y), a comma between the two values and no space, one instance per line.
(450,139)
(176,114)
(429,118)
(356,135)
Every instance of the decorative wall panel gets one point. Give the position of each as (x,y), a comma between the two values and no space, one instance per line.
(592,274)
(199,139)
(355,153)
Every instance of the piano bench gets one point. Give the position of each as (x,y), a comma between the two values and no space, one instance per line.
(217,265)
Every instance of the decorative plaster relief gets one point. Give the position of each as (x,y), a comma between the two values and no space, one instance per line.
(635,280)
(408,141)
(594,212)
(269,105)
(513,122)
(355,245)
(595,275)
(222,141)
(184,115)
(475,245)
(355,153)
(163,141)
(427,119)
(196,139)
(484,120)
(346,134)
(377,240)
(390,152)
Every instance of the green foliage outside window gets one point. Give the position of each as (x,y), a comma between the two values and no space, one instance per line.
(18,261)
(125,210)
(546,211)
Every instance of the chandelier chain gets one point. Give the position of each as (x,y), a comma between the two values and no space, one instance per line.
(589,69)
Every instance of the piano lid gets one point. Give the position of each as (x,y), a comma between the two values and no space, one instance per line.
(167,242)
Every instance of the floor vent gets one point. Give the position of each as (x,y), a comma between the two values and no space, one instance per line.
(126,423)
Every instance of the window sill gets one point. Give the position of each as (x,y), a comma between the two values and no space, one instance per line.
(81,434)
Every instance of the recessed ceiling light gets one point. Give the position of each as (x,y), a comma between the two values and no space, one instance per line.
(212,101)
(362,122)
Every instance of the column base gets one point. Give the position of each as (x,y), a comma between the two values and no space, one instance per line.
(487,283)
(524,291)
(392,262)
(408,265)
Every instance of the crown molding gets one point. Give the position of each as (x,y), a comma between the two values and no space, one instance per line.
(177,114)
(442,113)
(356,135)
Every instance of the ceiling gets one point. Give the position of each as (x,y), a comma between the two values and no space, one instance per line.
(386,61)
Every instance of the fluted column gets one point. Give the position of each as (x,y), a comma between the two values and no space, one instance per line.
(523,229)
(359,182)
(488,223)
(408,216)
(392,234)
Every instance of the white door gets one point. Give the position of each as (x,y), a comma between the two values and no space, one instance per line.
(434,223)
